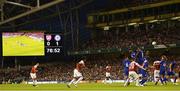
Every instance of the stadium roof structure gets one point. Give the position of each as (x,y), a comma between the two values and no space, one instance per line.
(25,8)
(14,13)
(136,14)
(20,12)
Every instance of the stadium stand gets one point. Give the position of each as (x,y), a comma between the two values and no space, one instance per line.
(132,38)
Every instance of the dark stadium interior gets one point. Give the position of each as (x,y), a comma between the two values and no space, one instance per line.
(101,31)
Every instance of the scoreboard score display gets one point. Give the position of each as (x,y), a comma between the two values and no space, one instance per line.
(53,43)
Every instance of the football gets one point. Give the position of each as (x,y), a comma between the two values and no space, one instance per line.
(154,43)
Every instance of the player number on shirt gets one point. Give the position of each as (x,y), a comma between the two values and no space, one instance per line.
(127,65)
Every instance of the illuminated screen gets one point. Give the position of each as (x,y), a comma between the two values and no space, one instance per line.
(23,44)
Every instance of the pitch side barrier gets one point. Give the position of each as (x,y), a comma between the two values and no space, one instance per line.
(56,82)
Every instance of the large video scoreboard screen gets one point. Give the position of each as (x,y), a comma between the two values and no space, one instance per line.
(53,43)
(23,43)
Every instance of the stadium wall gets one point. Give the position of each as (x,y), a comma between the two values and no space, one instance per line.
(56,82)
(98,81)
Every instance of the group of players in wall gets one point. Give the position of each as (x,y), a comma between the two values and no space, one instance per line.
(135,69)
(136,66)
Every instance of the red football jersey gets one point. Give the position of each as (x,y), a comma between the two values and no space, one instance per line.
(134,66)
(79,66)
(33,69)
(156,65)
(108,68)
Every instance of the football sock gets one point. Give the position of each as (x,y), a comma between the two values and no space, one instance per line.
(143,81)
(72,81)
(78,80)
(175,78)
(161,80)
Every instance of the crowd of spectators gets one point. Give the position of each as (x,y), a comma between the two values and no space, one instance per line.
(12,75)
(113,39)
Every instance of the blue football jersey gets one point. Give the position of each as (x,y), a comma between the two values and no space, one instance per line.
(172,66)
(163,65)
(140,57)
(126,63)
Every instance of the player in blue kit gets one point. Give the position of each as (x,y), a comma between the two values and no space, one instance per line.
(133,54)
(126,63)
(171,70)
(144,72)
(140,56)
(140,60)
(163,66)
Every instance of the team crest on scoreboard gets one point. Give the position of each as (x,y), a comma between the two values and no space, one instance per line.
(57,37)
(48,37)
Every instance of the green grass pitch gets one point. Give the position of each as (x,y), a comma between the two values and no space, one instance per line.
(22,46)
(89,87)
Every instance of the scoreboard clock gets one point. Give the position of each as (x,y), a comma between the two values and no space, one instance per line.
(53,43)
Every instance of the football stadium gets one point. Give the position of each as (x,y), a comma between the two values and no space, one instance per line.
(89,45)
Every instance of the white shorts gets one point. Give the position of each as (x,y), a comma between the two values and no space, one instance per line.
(108,74)
(77,73)
(133,75)
(33,75)
(156,74)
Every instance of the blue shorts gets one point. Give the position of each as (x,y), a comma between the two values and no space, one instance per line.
(140,62)
(143,73)
(162,72)
(170,73)
(126,73)
(140,71)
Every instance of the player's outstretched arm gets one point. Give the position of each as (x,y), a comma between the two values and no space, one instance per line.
(140,66)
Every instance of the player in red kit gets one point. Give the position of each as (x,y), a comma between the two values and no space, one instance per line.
(133,68)
(108,74)
(156,66)
(33,74)
(77,77)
